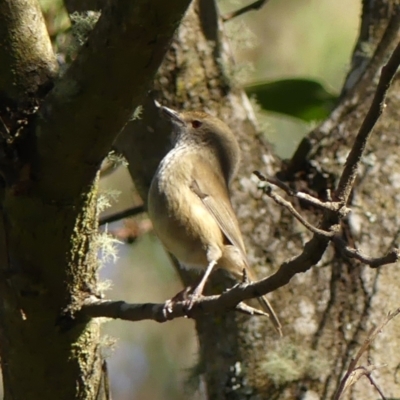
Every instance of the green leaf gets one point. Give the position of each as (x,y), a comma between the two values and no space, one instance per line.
(302,98)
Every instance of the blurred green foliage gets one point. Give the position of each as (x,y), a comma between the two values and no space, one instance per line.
(301,98)
(293,39)
(57,21)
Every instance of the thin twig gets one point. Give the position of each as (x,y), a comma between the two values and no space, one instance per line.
(130,212)
(375,385)
(325,205)
(378,103)
(391,257)
(349,173)
(356,375)
(253,6)
(282,202)
(347,380)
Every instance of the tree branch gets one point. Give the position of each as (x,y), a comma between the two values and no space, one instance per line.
(27,59)
(228,300)
(311,254)
(346,382)
(324,205)
(375,111)
(206,304)
(391,257)
(172,309)
(284,203)
(375,385)
(98,93)
(130,212)
(315,248)
(253,6)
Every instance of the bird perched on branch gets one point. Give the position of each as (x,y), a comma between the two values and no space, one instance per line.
(189,202)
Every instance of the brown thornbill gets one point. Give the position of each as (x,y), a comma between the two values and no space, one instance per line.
(189,201)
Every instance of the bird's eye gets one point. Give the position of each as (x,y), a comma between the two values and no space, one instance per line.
(196,124)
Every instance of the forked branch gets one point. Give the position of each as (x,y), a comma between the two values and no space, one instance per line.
(311,254)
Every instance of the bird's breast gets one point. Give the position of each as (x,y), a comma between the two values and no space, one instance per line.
(180,219)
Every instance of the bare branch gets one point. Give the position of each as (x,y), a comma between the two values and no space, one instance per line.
(329,228)
(28,62)
(171,309)
(282,202)
(375,111)
(347,251)
(357,374)
(130,212)
(253,6)
(325,205)
(391,257)
(375,385)
(348,379)
(229,300)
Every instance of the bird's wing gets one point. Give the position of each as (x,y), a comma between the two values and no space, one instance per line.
(213,192)
(211,188)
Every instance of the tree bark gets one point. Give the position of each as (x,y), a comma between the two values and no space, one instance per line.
(51,149)
(328,310)
(196,74)
(26,47)
(360,297)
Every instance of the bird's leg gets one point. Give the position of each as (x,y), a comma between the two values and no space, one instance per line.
(200,287)
(197,292)
(189,295)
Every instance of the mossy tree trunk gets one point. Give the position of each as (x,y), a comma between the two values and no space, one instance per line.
(54,134)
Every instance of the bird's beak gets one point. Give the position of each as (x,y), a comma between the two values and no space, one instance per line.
(172,115)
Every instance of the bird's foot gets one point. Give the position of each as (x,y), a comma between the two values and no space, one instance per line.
(192,298)
(181,296)
(195,294)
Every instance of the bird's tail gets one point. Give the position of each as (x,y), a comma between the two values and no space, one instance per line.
(266,306)
(235,261)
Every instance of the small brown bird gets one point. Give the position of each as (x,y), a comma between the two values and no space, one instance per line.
(189,201)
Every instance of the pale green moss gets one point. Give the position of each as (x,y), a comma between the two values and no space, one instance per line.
(291,362)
